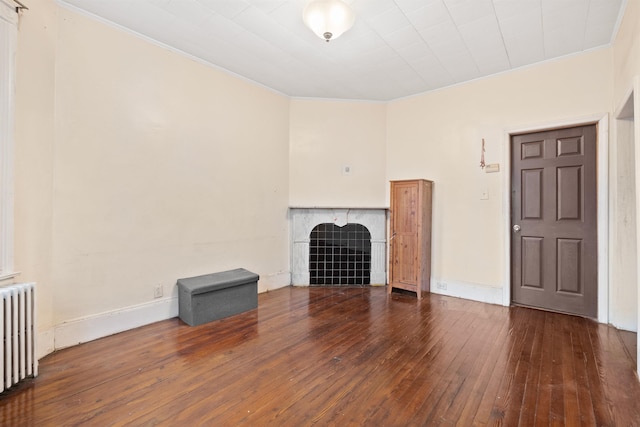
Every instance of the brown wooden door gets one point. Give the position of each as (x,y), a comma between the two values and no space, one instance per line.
(553,220)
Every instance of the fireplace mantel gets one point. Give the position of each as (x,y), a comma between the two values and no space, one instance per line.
(304,219)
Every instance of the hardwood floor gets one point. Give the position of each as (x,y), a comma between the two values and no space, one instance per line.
(341,357)
(630,341)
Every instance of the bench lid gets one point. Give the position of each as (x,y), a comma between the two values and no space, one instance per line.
(215,281)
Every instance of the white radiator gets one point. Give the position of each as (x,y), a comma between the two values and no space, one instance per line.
(17,323)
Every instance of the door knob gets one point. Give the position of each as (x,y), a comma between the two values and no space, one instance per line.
(516,228)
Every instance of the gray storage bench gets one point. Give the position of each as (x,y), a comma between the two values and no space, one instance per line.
(202,299)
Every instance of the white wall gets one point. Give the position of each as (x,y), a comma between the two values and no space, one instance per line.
(626,77)
(34,147)
(164,168)
(153,167)
(626,52)
(328,135)
(438,136)
(623,226)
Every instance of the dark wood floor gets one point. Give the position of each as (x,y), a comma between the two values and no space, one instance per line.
(630,341)
(340,357)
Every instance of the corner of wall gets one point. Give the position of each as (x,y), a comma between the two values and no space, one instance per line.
(274,281)
(45,344)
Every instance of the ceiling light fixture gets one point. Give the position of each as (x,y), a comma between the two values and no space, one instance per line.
(328,18)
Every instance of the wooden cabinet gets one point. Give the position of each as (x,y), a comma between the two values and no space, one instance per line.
(410,236)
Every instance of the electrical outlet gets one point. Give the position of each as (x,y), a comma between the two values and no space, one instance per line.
(157,291)
(441,285)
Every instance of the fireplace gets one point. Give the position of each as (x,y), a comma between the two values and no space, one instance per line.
(366,230)
(340,256)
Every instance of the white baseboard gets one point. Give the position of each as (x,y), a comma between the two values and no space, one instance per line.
(472,291)
(45,343)
(628,325)
(89,328)
(96,326)
(274,281)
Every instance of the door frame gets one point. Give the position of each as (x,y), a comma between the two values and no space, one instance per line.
(602,162)
(632,96)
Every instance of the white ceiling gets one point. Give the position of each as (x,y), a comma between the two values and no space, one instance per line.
(396,48)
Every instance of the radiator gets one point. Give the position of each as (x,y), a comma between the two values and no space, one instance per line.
(17,323)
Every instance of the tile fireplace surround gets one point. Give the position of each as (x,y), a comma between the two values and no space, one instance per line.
(303,220)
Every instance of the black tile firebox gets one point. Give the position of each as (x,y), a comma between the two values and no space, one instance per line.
(340,256)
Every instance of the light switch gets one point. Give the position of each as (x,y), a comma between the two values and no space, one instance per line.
(492,168)
(346,170)
(484,194)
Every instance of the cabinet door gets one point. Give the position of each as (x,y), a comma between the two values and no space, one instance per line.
(404,229)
